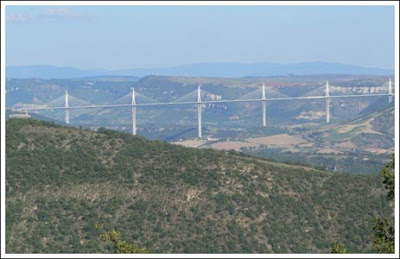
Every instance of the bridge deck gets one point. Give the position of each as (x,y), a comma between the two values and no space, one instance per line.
(202,102)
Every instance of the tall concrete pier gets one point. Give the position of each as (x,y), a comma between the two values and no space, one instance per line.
(264,106)
(133,112)
(66,105)
(199,112)
(328,104)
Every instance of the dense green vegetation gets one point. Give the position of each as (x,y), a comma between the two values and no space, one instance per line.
(121,246)
(383,236)
(382,239)
(339,248)
(61,182)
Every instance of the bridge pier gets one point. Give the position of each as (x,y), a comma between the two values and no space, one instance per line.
(199,103)
(390,90)
(66,105)
(199,112)
(133,112)
(328,115)
(264,107)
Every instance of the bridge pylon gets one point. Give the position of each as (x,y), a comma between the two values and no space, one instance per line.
(328,115)
(133,112)
(390,90)
(199,103)
(264,106)
(66,105)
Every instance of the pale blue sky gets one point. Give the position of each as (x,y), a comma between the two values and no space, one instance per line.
(121,37)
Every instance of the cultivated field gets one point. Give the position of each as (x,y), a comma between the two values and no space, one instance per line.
(235,145)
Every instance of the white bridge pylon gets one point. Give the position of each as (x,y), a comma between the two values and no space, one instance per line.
(133,112)
(200,102)
(390,90)
(264,106)
(66,107)
(328,106)
(66,102)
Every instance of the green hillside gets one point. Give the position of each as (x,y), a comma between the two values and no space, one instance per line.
(377,128)
(62,181)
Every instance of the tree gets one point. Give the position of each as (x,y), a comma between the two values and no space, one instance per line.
(383,227)
(387,173)
(339,248)
(383,237)
(121,246)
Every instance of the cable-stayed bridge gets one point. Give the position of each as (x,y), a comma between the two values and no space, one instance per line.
(199,98)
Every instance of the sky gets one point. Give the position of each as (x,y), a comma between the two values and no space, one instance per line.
(127,37)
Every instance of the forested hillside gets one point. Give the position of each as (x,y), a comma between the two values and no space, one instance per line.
(61,182)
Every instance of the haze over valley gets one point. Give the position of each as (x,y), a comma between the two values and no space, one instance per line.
(359,138)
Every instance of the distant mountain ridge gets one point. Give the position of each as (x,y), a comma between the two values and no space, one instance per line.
(223,69)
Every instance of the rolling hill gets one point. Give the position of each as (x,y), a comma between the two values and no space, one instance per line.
(362,145)
(61,181)
(374,132)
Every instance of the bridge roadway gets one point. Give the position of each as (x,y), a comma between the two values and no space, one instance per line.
(202,102)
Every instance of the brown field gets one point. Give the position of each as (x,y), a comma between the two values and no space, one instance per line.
(379,150)
(191,142)
(306,144)
(281,140)
(367,127)
(329,150)
(346,145)
(235,145)
(347,128)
